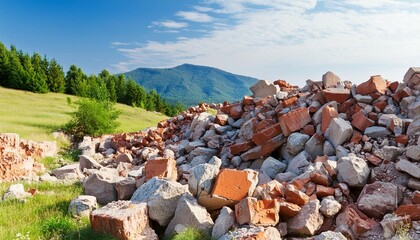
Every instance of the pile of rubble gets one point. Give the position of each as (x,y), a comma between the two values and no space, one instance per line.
(17,157)
(331,160)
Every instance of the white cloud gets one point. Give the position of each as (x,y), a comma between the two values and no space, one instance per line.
(171,24)
(295,41)
(195,16)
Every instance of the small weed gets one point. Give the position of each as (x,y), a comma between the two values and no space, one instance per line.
(212,111)
(402,231)
(191,234)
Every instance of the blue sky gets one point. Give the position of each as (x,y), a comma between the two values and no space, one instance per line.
(267,39)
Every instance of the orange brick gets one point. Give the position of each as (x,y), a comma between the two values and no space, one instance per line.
(322,191)
(241,147)
(336,94)
(413,210)
(265,135)
(288,210)
(295,196)
(328,113)
(361,122)
(161,167)
(234,184)
(294,120)
(373,85)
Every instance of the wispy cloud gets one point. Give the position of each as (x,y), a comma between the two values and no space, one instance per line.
(171,24)
(295,40)
(195,16)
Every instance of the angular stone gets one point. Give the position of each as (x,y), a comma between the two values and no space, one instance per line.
(68,172)
(378,199)
(221,119)
(338,132)
(361,122)
(264,150)
(295,196)
(330,235)
(265,135)
(322,191)
(161,196)
(414,184)
(101,185)
(288,210)
(123,220)
(262,89)
(271,190)
(376,132)
(88,162)
(299,163)
(294,120)
(392,223)
(414,127)
(413,152)
(83,205)
(329,207)
(339,95)
(125,157)
(126,188)
(15,191)
(412,78)
(191,215)
(202,177)
(272,167)
(363,98)
(296,142)
(224,222)
(328,113)
(315,146)
(412,210)
(406,166)
(352,170)
(257,233)
(329,79)
(307,221)
(162,168)
(373,85)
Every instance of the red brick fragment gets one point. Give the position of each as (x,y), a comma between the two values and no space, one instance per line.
(265,149)
(267,134)
(320,178)
(328,113)
(248,100)
(294,120)
(413,210)
(241,147)
(295,196)
(290,102)
(416,197)
(373,85)
(288,210)
(393,86)
(361,122)
(322,191)
(309,129)
(357,136)
(403,139)
(336,94)
(373,159)
(402,93)
(161,167)
(234,184)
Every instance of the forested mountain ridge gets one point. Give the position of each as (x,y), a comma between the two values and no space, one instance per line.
(190,84)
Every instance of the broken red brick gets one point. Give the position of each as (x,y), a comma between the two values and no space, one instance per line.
(259,212)
(236,111)
(265,149)
(322,191)
(309,129)
(248,100)
(416,197)
(264,124)
(265,135)
(412,210)
(361,122)
(161,167)
(288,210)
(373,85)
(354,219)
(241,147)
(345,106)
(403,139)
(290,102)
(339,95)
(320,178)
(295,196)
(221,119)
(402,93)
(234,184)
(294,120)
(393,86)
(357,136)
(373,159)
(328,113)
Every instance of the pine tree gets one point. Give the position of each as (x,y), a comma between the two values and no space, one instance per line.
(4,66)
(76,81)
(55,80)
(39,79)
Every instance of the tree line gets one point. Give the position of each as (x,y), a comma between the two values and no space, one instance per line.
(38,74)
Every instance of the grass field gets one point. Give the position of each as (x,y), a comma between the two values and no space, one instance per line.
(35,116)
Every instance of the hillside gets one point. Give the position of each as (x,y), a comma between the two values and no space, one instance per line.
(35,116)
(190,84)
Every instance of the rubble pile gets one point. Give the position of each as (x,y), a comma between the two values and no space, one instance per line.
(17,156)
(331,160)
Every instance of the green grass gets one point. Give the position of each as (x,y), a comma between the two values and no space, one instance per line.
(44,216)
(35,116)
(191,234)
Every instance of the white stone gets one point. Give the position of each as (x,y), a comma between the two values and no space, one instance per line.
(339,131)
(413,152)
(101,184)
(16,191)
(271,167)
(352,170)
(83,205)
(224,222)
(296,142)
(406,166)
(190,214)
(376,132)
(307,221)
(329,207)
(262,89)
(161,196)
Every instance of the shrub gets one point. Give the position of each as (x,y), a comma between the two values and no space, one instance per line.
(92,118)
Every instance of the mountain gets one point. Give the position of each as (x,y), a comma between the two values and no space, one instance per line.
(191,84)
